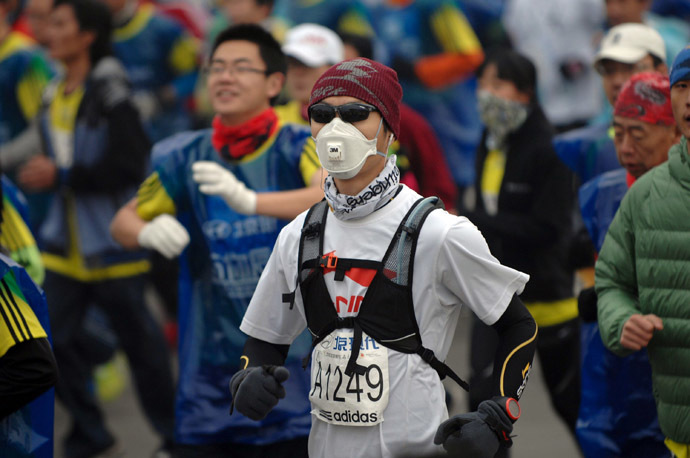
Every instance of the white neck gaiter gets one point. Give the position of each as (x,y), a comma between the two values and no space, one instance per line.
(377,194)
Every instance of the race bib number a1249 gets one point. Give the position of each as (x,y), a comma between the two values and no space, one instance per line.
(351,400)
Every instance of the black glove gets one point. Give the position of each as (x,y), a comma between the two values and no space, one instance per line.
(478,434)
(257,390)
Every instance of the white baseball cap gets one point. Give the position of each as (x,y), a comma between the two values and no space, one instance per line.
(314,45)
(629,43)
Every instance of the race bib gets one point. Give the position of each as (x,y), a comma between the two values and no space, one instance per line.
(351,400)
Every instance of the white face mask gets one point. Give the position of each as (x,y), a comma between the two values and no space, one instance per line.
(343,149)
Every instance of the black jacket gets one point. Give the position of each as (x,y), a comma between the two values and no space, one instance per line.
(532,230)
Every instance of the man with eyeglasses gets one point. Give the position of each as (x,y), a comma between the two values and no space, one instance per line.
(219,198)
(644,131)
(625,50)
(642,272)
(379,275)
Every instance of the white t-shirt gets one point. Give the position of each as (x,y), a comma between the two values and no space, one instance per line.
(453,267)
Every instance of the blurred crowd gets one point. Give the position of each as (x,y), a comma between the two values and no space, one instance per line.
(119,122)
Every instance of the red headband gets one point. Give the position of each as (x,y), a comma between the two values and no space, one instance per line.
(646,97)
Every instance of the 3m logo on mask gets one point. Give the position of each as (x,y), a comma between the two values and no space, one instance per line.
(335,151)
(342,148)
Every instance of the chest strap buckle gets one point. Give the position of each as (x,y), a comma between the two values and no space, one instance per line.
(329,262)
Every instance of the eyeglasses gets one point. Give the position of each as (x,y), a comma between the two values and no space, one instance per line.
(349,112)
(218,68)
(610,68)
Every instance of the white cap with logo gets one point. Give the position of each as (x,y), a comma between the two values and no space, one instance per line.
(629,43)
(314,45)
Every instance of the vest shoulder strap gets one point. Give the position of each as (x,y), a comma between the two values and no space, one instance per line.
(310,243)
(398,261)
(399,265)
(311,239)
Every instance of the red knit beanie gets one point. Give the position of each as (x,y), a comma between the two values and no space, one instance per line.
(366,80)
(646,97)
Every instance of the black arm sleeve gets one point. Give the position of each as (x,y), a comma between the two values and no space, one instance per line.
(258,352)
(517,332)
(27,370)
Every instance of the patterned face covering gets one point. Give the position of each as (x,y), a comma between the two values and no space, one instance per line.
(500,116)
(377,194)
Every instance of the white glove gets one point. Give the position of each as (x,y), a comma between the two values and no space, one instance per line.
(215,180)
(165,235)
(146,103)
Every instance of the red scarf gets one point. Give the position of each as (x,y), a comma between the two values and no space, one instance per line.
(629,179)
(234,142)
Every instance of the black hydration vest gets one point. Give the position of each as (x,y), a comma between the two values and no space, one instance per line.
(386,313)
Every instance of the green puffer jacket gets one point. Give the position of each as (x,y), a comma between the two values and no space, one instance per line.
(644,267)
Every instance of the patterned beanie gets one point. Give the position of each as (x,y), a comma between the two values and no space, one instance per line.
(680,70)
(646,97)
(366,80)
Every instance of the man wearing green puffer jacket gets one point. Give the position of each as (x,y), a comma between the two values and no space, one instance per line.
(643,273)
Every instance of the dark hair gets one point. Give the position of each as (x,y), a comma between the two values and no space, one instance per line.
(269,48)
(269,3)
(92,16)
(361,43)
(514,67)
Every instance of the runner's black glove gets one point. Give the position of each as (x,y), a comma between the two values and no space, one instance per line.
(478,434)
(257,390)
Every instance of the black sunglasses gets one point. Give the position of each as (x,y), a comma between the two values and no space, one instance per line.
(349,112)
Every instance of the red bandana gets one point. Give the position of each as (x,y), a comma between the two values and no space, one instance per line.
(234,142)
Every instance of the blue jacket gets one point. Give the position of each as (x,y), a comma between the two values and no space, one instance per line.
(219,271)
(612,386)
(110,157)
(24,73)
(587,151)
